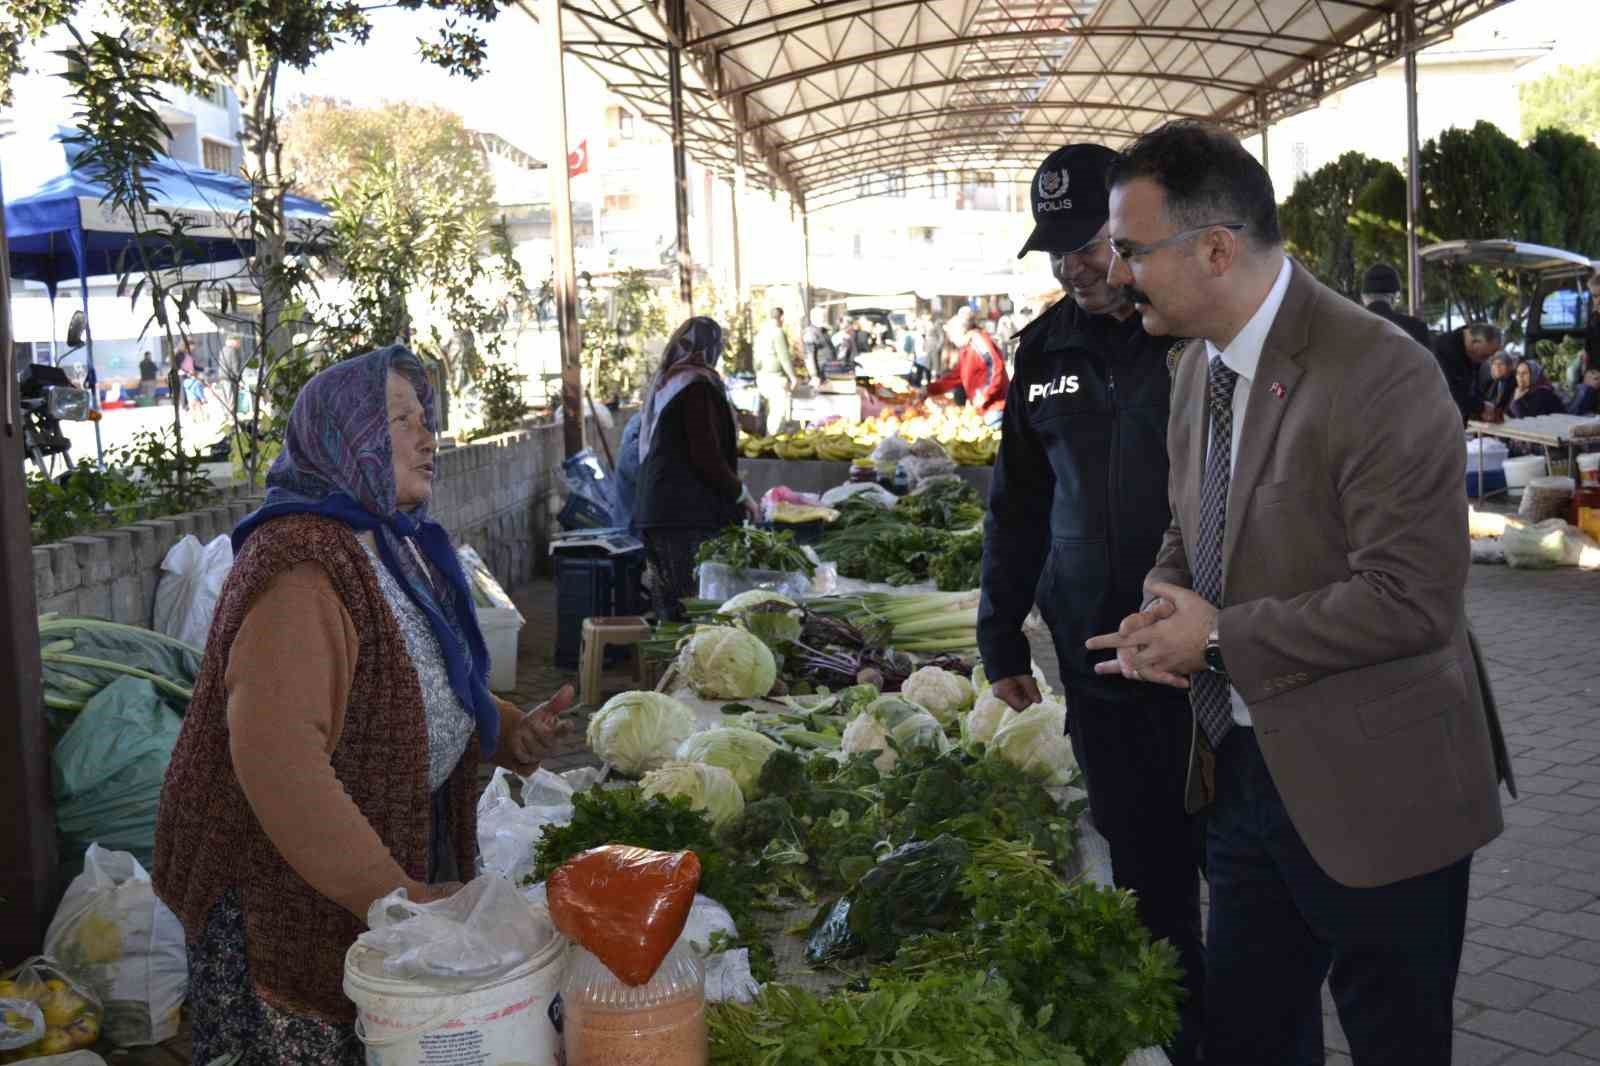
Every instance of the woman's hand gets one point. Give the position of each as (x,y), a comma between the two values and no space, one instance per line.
(538,731)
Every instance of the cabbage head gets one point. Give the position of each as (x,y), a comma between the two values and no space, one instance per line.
(866,733)
(724,663)
(978,725)
(920,730)
(639,731)
(891,708)
(755,598)
(938,691)
(742,752)
(707,788)
(980,680)
(1035,741)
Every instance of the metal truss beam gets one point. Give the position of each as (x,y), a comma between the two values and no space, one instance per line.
(1259,41)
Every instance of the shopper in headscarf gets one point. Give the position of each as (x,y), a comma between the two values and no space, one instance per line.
(1502,383)
(689,487)
(1534,394)
(330,753)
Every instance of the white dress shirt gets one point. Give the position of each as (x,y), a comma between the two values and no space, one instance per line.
(1242,356)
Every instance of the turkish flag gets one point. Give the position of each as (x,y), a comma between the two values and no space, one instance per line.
(578,159)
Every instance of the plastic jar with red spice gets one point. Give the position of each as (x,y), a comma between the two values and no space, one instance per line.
(605,1022)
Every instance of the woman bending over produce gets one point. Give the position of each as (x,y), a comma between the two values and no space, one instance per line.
(330,751)
(689,485)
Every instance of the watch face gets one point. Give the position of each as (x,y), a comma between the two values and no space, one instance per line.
(1214,658)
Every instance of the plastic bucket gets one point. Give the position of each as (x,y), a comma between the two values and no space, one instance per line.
(1523,469)
(505,1022)
(1589,469)
(501,627)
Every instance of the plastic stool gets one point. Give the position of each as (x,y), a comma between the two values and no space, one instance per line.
(599,634)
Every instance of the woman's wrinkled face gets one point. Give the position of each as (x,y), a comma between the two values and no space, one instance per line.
(1524,377)
(411,442)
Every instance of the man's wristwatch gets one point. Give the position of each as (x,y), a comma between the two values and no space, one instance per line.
(1214,654)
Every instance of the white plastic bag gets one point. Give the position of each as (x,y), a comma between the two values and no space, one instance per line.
(706,917)
(191,581)
(115,935)
(1549,544)
(482,932)
(869,490)
(508,832)
(721,582)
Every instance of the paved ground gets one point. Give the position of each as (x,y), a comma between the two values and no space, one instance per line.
(1530,982)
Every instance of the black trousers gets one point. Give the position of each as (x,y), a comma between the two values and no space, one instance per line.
(671,551)
(1135,755)
(1279,926)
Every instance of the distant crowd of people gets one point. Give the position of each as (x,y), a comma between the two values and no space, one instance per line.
(964,359)
(1486,382)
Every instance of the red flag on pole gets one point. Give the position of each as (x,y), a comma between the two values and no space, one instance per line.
(578,159)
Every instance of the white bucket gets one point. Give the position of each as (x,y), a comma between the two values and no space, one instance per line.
(413,1023)
(501,626)
(1589,469)
(1523,469)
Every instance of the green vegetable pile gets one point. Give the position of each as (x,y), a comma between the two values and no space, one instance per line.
(930,534)
(81,656)
(940,1019)
(748,548)
(945,873)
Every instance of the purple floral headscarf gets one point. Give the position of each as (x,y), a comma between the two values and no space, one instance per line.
(337,461)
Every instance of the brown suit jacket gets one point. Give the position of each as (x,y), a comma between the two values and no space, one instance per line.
(1345,560)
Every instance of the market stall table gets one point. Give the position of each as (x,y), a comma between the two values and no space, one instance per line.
(1570,432)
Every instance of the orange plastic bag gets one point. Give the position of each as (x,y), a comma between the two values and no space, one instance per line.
(626,905)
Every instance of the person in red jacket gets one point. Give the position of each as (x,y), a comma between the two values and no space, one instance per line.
(979,371)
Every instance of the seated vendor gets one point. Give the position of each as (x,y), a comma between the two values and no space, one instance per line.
(1533,395)
(330,753)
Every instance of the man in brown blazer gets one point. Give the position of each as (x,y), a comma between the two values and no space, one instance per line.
(1310,596)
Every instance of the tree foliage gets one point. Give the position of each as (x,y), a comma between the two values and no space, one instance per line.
(1480,183)
(1319,217)
(1568,100)
(1572,166)
(329,146)
(622,331)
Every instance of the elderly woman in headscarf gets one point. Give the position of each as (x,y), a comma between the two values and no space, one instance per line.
(689,487)
(330,753)
(1502,383)
(1534,395)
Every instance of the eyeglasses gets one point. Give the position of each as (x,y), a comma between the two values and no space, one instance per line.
(1128,251)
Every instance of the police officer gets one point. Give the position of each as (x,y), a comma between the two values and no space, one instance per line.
(1076,514)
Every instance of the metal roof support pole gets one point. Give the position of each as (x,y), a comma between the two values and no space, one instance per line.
(805,256)
(1261,124)
(1413,167)
(566,272)
(677,31)
(738,194)
(27,820)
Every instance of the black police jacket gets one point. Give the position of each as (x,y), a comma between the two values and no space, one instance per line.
(1078,505)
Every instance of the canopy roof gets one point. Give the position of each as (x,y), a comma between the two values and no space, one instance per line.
(826,93)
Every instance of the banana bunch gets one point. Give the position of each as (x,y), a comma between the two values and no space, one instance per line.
(752,447)
(795,446)
(979,452)
(841,447)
